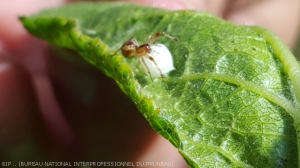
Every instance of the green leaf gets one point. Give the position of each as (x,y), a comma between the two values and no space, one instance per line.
(233,100)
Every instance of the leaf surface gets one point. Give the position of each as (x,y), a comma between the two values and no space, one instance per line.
(232,100)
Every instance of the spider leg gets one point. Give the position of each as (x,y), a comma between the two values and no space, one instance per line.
(155,51)
(143,61)
(134,40)
(115,53)
(152,59)
(137,64)
(161,74)
(153,38)
(150,37)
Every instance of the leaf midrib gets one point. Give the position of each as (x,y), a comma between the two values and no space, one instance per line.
(263,92)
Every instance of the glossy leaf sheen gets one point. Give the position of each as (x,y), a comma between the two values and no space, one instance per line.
(231,100)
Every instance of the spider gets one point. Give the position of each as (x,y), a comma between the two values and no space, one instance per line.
(150,54)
